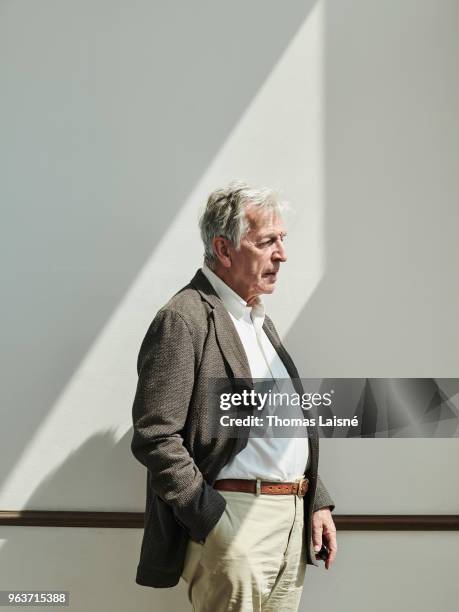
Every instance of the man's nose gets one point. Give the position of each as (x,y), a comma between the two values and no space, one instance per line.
(279,253)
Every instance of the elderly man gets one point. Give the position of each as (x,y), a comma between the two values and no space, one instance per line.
(238,519)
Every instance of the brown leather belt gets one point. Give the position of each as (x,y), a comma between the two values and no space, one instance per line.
(261,487)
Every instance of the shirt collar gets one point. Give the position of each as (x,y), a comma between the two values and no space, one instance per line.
(233,302)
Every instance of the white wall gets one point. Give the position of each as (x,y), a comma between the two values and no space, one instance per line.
(377,571)
(117,120)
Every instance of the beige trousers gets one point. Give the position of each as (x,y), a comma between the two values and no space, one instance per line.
(254,559)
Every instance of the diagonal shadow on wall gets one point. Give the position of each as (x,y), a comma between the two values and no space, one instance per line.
(386,305)
(111,122)
(70,559)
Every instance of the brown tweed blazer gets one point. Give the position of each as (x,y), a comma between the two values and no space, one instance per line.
(191,339)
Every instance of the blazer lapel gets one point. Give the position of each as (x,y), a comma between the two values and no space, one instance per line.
(313,432)
(227,336)
(271,332)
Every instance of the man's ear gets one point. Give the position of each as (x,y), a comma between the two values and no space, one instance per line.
(222,251)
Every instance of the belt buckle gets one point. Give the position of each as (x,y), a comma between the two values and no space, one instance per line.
(302,484)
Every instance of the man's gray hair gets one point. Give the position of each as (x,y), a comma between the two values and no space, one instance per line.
(224,214)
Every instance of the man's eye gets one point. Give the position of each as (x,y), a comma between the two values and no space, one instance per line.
(270,241)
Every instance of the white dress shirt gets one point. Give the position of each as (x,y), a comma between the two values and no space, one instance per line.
(269,458)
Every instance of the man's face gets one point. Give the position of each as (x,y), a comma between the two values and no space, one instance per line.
(254,266)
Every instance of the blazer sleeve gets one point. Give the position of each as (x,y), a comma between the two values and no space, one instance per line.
(322,497)
(166,369)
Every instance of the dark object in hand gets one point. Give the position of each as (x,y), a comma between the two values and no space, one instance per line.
(323,553)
